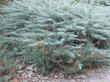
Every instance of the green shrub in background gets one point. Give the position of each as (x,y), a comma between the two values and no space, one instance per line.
(66,34)
(3,1)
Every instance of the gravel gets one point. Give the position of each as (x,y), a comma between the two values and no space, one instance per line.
(90,75)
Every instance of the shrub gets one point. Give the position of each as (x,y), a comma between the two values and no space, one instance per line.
(68,34)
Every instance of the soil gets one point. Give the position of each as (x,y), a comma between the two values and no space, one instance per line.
(101,74)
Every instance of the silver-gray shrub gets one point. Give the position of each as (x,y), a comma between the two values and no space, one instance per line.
(62,26)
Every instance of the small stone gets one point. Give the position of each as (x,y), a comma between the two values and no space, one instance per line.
(35,79)
(42,81)
(108,77)
(44,78)
(24,81)
(81,77)
(62,75)
(29,73)
(55,76)
(39,76)
(69,77)
(73,81)
(29,68)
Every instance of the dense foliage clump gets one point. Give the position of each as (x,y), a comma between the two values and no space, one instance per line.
(68,34)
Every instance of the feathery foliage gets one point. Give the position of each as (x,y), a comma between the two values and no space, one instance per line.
(54,33)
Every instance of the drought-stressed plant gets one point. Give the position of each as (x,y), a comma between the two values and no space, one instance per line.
(56,33)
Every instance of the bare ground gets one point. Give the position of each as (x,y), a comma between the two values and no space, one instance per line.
(91,75)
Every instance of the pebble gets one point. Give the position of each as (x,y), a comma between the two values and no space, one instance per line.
(81,77)
(24,81)
(55,76)
(29,73)
(44,78)
(42,81)
(35,79)
(108,77)
(73,81)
